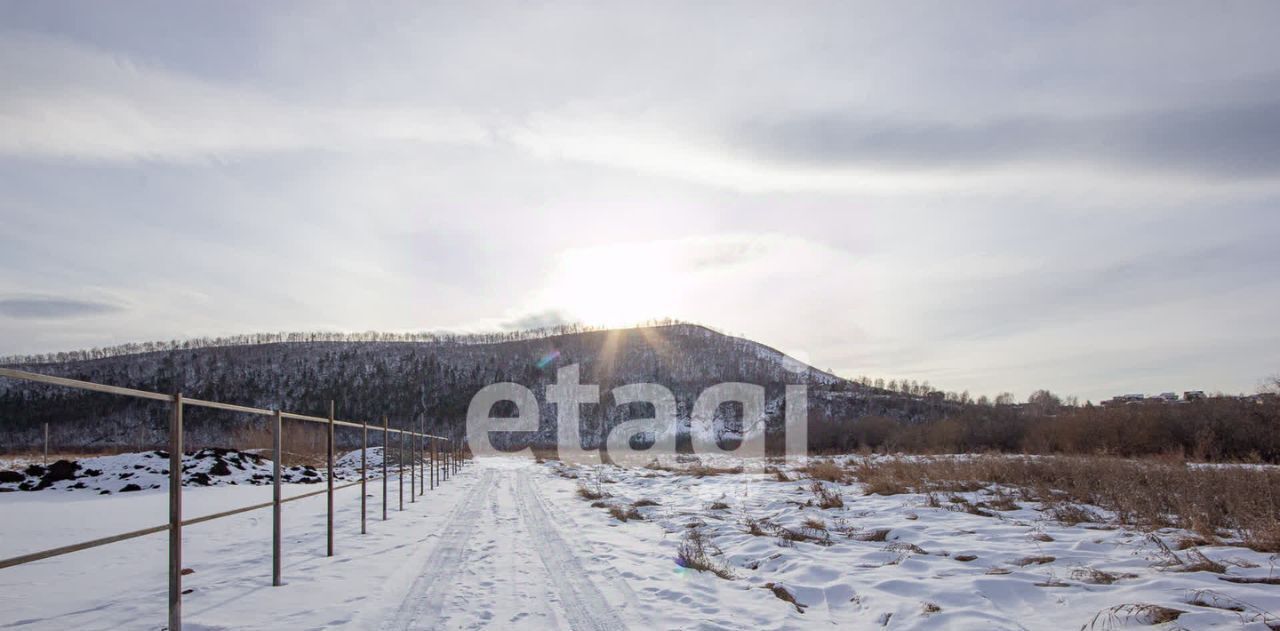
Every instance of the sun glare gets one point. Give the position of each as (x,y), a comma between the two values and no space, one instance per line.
(615,286)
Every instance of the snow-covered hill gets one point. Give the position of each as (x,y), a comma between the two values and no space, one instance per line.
(410,381)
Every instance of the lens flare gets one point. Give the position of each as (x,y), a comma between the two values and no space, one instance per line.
(548,358)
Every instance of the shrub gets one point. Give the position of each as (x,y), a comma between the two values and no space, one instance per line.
(587,493)
(825,497)
(697,553)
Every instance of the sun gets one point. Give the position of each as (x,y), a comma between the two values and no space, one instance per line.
(613,286)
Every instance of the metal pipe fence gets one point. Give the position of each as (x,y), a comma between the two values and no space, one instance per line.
(445,459)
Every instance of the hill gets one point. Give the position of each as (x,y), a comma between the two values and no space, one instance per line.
(409,381)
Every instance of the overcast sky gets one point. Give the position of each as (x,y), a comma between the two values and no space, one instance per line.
(990,196)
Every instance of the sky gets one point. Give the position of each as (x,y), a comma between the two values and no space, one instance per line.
(990,196)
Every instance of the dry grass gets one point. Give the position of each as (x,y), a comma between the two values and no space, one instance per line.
(1242,501)
(789,536)
(1094,576)
(1191,560)
(1034,560)
(825,497)
(591,493)
(696,552)
(1072,514)
(1251,580)
(785,594)
(1248,612)
(624,514)
(881,478)
(1141,613)
(703,471)
(1002,502)
(811,531)
(644,502)
(964,505)
(719,506)
(878,534)
(1191,541)
(826,470)
(813,523)
(905,546)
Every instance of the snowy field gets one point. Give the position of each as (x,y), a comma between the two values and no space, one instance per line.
(510,543)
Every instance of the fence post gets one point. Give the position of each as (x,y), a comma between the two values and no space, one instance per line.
(431,458)
(385,446)
(400,465)
(413,471)
(277,453)
(417,455)
(175,513)
(46,444)
(329,522)
(364,475)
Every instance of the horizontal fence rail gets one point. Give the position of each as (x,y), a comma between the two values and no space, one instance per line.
(423,453)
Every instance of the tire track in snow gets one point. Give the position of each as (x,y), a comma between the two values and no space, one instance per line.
(422,606)
(584,605)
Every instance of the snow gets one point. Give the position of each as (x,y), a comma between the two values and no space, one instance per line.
(509,542)
(124,585)
(150,470)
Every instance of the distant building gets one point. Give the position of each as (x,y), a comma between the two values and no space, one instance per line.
(1125,399)
(1193,395)
(1167,397)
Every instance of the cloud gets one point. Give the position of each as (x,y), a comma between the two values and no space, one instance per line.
(50,308)
(539,320)
(1225,141)
(66,100)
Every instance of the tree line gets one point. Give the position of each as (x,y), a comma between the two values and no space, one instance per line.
(251,339)
(1216,429)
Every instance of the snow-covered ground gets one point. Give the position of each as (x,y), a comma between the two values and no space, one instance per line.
(510,544)
(131,472)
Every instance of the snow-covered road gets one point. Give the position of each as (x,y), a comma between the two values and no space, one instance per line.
(501,561)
